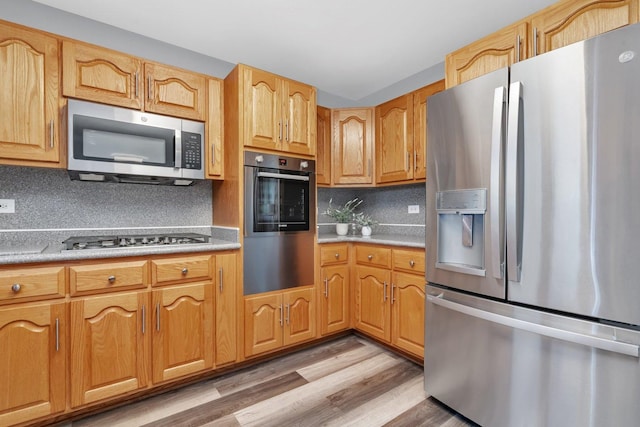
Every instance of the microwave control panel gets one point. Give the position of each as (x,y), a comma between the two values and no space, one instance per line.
(191,150)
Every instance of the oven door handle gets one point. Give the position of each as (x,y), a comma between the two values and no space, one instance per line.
(283,176)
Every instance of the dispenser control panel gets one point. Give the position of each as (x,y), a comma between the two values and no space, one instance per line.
(463,201)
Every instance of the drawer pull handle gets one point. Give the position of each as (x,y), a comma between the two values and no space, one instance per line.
(112,279)
(412,263)
(185,270)
(370,257)
(16,287)
(337,255)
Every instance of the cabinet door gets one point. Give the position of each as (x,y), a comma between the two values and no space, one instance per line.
(498,50)
(182,331)
(323,146)
(110,346)
(101,75)
(175,92)
(262,121)
(394,140)
(263,323)
(352,145)
(420,127)
(226,302)
(29,124)
(407,302)
(299,315)
(299,115)
(215,130)
(33,362)
(334,306)
(372,289)
(570,22)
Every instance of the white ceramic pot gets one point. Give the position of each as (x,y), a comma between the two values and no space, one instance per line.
(366,231)
(342,229)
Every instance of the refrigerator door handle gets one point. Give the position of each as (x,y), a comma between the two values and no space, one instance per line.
(497,182)
(511,189)
(547,331)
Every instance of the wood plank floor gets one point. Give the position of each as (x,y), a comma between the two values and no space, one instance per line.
(346,382)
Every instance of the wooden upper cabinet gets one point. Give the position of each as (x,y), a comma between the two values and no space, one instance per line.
(280,114)
(352,145)
(572,21)
(323,146)
(102,75)
(394,140)
(98,74)
(420,127)
(29,100)
(175,92)
(498,50)
(215,130)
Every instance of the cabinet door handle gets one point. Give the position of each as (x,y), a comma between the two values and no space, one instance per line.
(288,313)
(135,89)
(337,255)
(158,317)
(326,287)
(185,271)
(57,334)
(415,160)
(281,324)
(279,130)
(286,132)
(407,165)
(149,93)
(111,279)
(221,276)
(384,291)
(369,257)
(144,319)
(412,263)
(16,287)
(393,298)
(518,48)
(535,41)
(51,138)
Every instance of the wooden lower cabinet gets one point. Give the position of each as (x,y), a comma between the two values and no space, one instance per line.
(372,308)
(33,363)
(334,303)
(110,338)
(225,309)
(407,312)
(278,319)
(182,331)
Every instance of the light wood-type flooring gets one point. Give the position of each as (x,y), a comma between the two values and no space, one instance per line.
(349,381)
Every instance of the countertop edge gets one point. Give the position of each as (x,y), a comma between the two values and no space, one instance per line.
(390,240)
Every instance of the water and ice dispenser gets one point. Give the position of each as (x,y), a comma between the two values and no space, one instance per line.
(461,230)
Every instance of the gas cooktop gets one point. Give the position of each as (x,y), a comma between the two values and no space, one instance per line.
(133,241)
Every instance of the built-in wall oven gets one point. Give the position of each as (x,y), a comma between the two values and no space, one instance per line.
(279,223)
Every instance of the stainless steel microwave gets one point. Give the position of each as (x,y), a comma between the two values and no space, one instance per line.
(116,144)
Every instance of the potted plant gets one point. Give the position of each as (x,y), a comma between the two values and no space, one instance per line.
(366,222)
(343,215)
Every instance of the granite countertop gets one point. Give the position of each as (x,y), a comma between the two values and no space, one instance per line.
(414,241)
(49,247)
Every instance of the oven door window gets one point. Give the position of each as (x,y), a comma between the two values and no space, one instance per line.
(281,202)
(114,141)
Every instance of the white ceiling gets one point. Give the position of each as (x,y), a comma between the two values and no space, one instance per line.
(347,48)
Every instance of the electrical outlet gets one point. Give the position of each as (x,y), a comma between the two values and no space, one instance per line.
(414,209)
(7,206)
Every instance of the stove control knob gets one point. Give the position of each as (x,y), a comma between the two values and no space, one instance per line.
(145,240)
(123,242)
(132,241)
(174,240)
(156,239)
(166,241)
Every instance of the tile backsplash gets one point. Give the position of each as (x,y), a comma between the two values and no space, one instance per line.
(48,199)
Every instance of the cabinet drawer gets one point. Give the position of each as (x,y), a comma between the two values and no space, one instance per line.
(184,269)
(409,260)
(38,282)
(333,254)
(373,255)
(108,276)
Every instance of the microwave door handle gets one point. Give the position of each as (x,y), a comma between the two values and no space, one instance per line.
(127,158)
(178,149)
(283,176)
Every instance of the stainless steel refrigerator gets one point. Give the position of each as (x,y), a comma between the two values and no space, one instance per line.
(533,239)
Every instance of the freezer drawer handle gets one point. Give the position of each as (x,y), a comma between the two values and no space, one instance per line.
(574,337)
